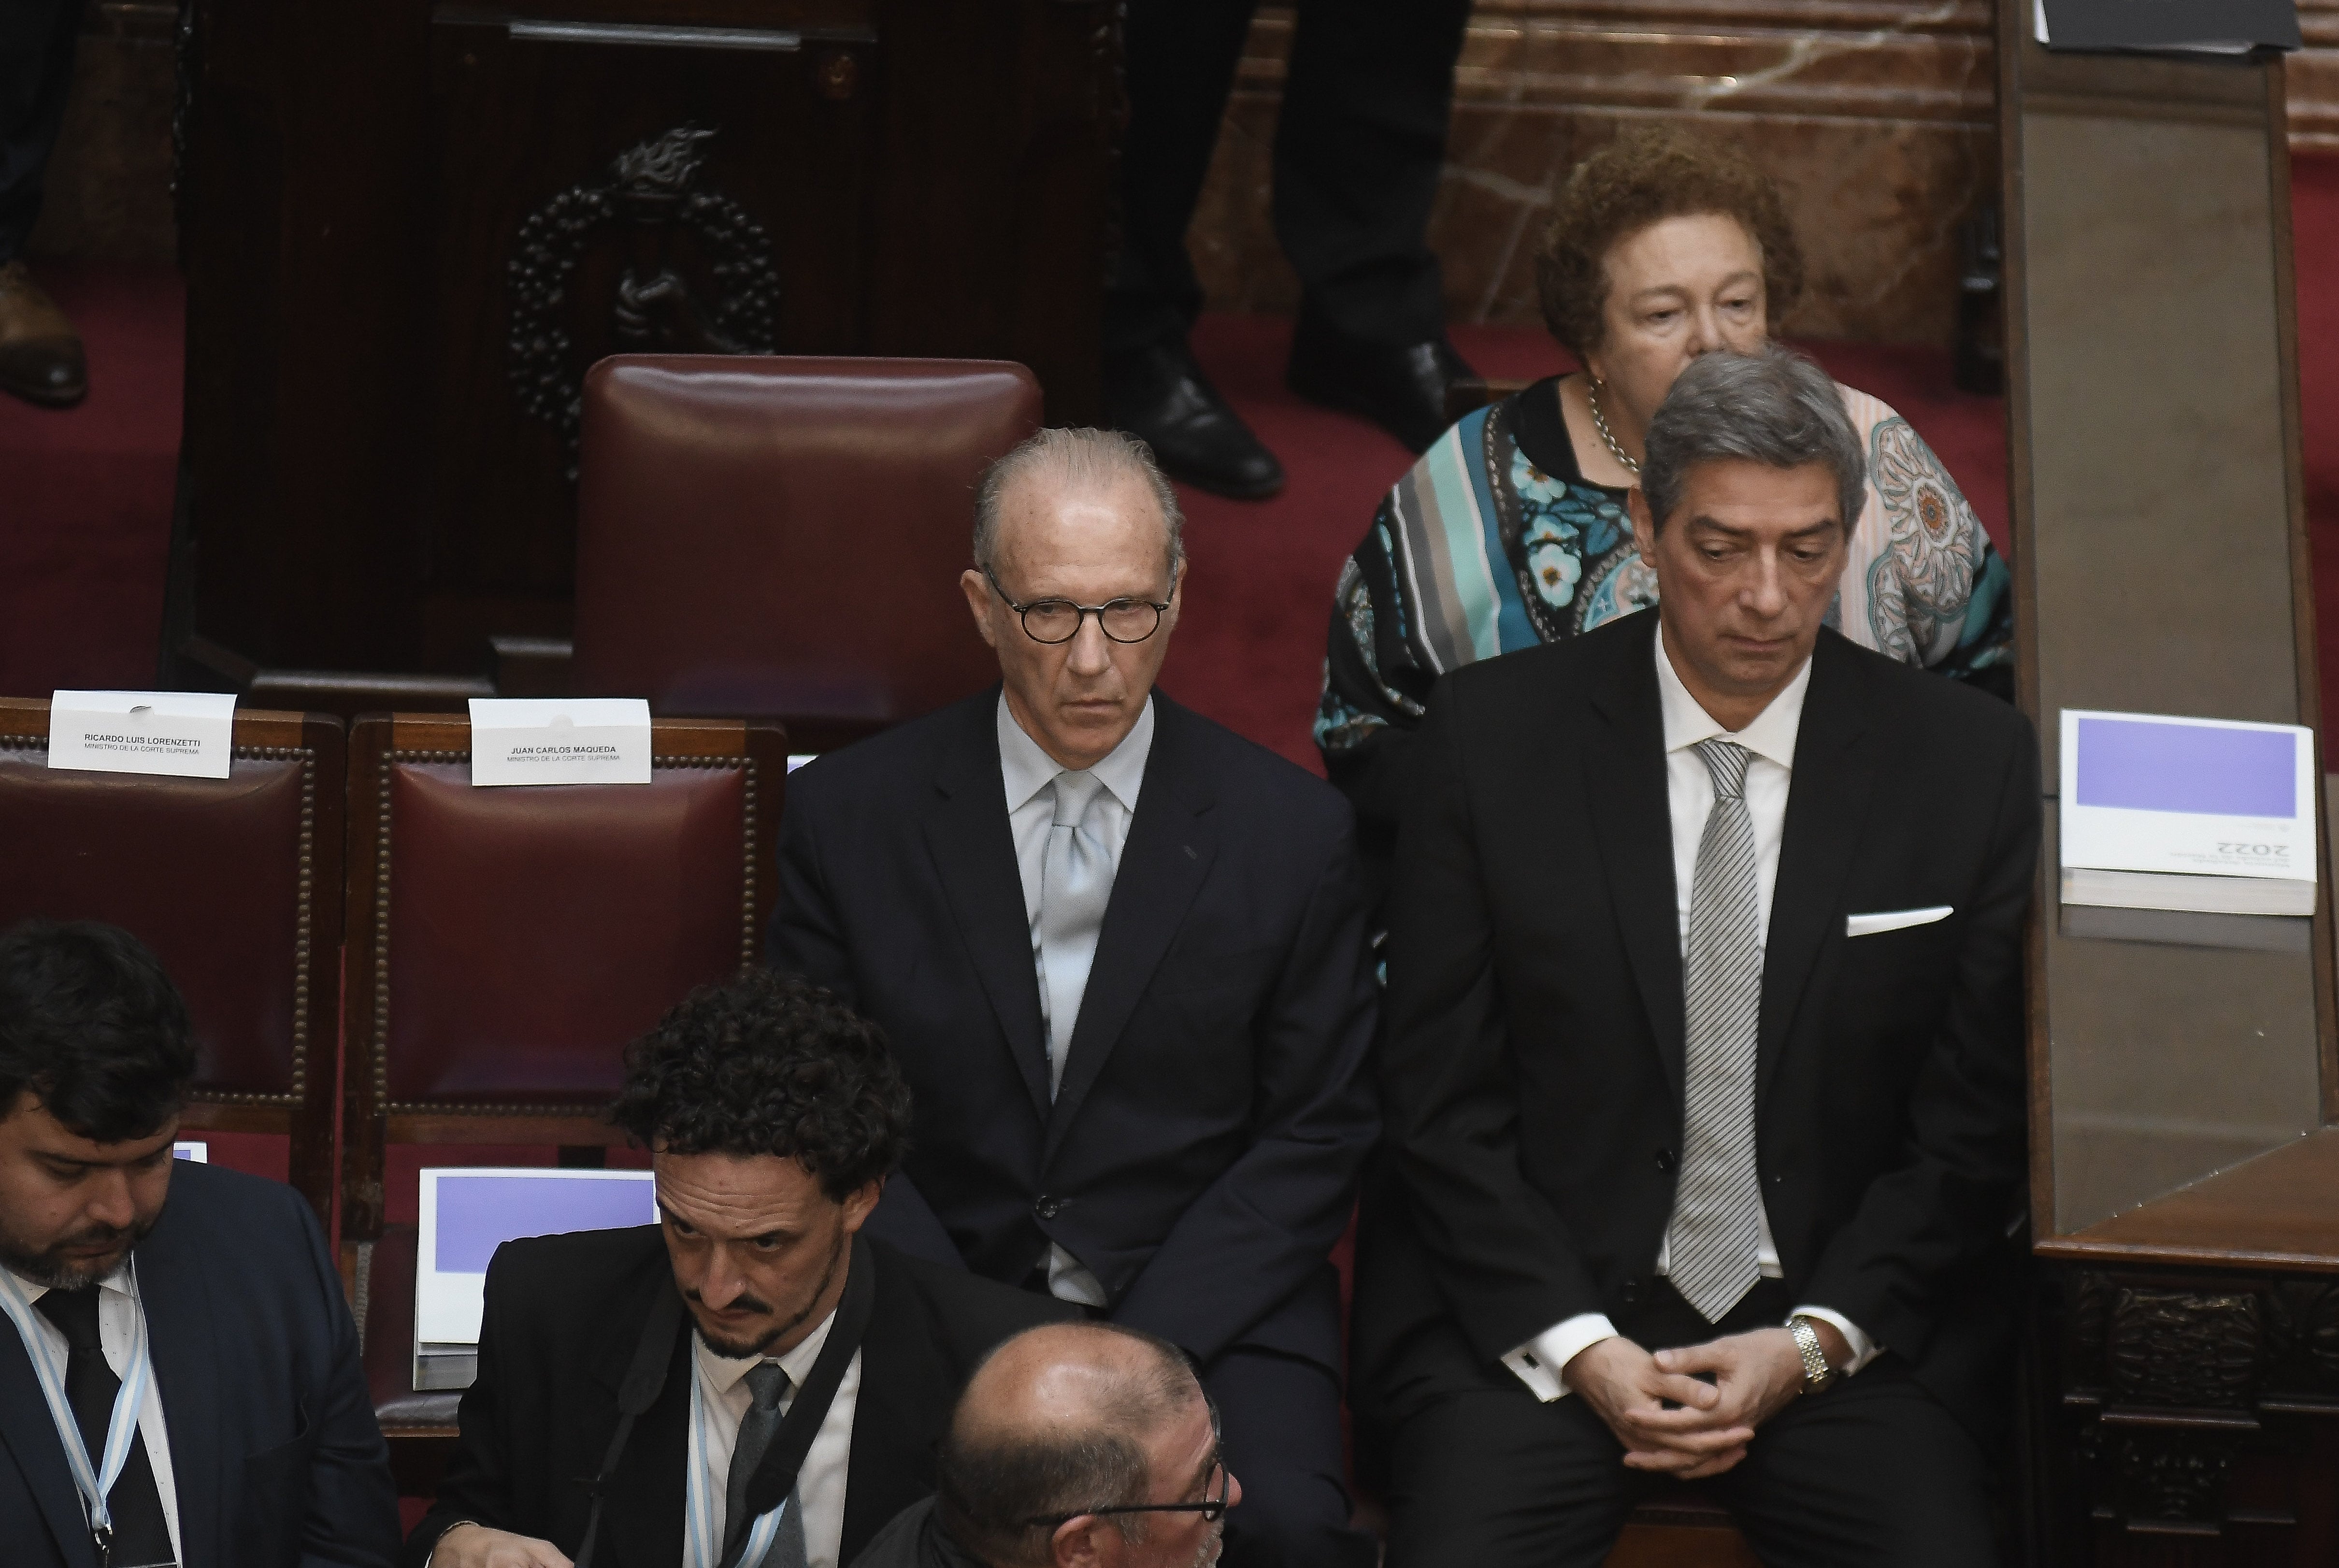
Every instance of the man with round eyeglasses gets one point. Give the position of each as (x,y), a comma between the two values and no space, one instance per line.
(1120,954)
(1075,1446)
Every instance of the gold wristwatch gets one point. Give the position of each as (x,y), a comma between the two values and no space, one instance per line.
(1818,1375)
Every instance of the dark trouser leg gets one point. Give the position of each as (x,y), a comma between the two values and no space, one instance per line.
(1180,65)
(1279,1428)
(1496,1479)
(1873,1473)
(1358,154)
(36,57)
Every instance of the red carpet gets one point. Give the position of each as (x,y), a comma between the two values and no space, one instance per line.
(85,493)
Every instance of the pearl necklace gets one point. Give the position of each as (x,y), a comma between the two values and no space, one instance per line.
(1607,436)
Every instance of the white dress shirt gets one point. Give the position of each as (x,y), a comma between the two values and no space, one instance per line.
(119,1311)
(1027,770)
(820,1485)
(1689,792)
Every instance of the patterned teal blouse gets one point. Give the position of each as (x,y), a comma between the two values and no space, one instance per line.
(1494,541)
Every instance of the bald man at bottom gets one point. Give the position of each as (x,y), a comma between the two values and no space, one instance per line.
(1074,1446)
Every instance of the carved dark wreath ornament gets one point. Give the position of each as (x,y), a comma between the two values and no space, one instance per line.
(653,184)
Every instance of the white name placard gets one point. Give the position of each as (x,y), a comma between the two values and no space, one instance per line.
(561,740)
(186,734)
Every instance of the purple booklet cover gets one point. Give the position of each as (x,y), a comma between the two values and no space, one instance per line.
(2141,765)
(478,1214)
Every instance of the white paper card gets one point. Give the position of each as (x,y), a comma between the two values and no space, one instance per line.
(2217,797)
(468,1213)
(561,740)
(185,734)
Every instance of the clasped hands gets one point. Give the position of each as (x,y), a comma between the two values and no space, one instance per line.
(1671,1420)
(467,1543)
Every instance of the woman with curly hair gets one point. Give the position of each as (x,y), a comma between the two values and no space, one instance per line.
(1511,531)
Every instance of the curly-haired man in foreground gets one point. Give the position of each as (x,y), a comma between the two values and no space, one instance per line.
(750,1381)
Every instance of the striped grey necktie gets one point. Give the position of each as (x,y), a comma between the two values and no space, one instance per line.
(1714,1247)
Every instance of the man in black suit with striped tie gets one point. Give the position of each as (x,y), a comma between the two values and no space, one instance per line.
(1704,1072)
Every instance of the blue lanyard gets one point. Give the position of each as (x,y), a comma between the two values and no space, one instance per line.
(705,1545)
(93,1482)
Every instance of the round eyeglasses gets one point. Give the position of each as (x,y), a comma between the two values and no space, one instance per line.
(1058,620)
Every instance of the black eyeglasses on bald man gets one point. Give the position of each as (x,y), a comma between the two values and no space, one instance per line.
(1058,620)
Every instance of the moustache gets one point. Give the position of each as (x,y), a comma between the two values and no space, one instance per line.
(98,1236)
(742,1303)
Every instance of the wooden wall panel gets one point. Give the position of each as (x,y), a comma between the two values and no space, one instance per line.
(411,226)
(2310,79)
(1875,115)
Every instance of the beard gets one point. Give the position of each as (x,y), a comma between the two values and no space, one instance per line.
(51,1271)
(741,1349)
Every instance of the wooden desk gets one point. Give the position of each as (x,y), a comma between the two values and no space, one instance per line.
(2184,1367)
(2191,1345)
(2279,1211)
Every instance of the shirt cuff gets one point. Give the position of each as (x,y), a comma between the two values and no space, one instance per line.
(1863,1349)
(1539,1361)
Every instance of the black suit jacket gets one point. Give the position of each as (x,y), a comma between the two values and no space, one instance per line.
(563,1316)
(1200,1154)
(1532,1075)
(274,1453)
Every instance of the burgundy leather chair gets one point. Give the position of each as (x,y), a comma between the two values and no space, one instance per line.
(505,945)
(234,882)
(783,537)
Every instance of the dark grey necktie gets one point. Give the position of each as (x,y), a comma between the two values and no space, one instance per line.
(142,1537)
(1714,1247)
(768,1384)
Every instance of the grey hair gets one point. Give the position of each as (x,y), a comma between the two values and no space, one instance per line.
(1082,458)
(988,1481)
(1772,407)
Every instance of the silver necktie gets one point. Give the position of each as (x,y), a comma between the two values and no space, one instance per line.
(1714,1247)
(768,1384)
(1075,885)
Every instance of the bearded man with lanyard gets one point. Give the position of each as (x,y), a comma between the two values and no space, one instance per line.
(799,1409)
(179,1378)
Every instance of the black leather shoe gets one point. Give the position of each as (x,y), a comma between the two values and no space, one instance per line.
(1160,396)
(1403,390)
(39,353)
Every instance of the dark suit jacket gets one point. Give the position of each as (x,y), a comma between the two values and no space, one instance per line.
(563,1316)
(274,1452)
(1201,1155)
(1532,1074)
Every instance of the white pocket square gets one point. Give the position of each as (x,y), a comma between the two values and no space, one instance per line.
(1895,918)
